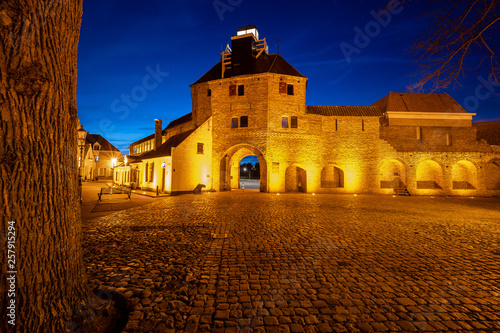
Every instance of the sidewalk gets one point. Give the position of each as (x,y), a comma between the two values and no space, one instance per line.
(92,207)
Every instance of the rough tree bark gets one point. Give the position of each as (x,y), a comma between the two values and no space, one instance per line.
(38,171)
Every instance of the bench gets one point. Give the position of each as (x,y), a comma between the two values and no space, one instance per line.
(114,190)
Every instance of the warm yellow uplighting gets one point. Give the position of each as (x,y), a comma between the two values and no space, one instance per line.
(143,192)
(355,195)
(314,193)
(277,194)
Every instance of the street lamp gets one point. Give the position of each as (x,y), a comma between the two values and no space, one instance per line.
(82,135)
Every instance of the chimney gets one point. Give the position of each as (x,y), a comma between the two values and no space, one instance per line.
(157,142)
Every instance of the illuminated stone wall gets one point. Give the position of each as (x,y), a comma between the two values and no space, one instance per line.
(367,156)
(191,163)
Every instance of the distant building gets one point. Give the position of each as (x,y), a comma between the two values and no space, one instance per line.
(100,157)
(254,103)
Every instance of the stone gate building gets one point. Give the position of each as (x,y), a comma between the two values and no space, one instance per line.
(254,103)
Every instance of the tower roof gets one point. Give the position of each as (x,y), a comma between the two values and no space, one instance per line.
(266,63)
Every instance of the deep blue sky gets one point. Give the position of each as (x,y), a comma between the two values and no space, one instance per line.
(122,41)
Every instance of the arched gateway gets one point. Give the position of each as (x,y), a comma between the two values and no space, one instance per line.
(230,167)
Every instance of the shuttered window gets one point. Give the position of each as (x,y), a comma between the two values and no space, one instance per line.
(282,87)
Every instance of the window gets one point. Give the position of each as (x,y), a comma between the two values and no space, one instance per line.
(289,89)
(448,139)
(362,125)
(102,172)
(282,87)
(147,172)
(232,90)
(284,122)
(152,174)
(294,122)
(234,123)
(419,133)
(209,92)
(336,125)
(241,90)
(97,158)
(244,121)
(135,150)
(200,148)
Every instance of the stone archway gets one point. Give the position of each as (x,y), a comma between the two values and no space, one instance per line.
(229,167)
(295,179)
(492,175)
(429,175)
(464,176)
(393,175)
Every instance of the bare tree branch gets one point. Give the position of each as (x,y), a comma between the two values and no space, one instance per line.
(460,39)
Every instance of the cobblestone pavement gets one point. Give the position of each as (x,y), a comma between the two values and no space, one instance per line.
(243,262)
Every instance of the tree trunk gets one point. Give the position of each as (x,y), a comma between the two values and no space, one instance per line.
(38,167)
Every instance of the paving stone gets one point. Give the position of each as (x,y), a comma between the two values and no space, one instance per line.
(362,259)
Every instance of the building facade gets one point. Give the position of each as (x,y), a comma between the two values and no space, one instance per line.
(254,103)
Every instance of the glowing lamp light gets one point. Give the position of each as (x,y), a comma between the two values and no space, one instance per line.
(113,162)
(277,194)
(355,195)
(314,193)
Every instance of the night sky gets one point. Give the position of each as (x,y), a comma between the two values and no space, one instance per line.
(124,41)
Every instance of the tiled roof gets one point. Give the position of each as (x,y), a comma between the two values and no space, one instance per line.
(184,119)
(419,102)
(149,137)
(489,131)
(265,63)
(345,111)
(105,144)
(166,148)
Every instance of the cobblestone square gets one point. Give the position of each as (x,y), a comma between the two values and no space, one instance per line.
(258,262)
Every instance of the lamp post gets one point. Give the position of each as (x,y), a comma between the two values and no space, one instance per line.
(82,135)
